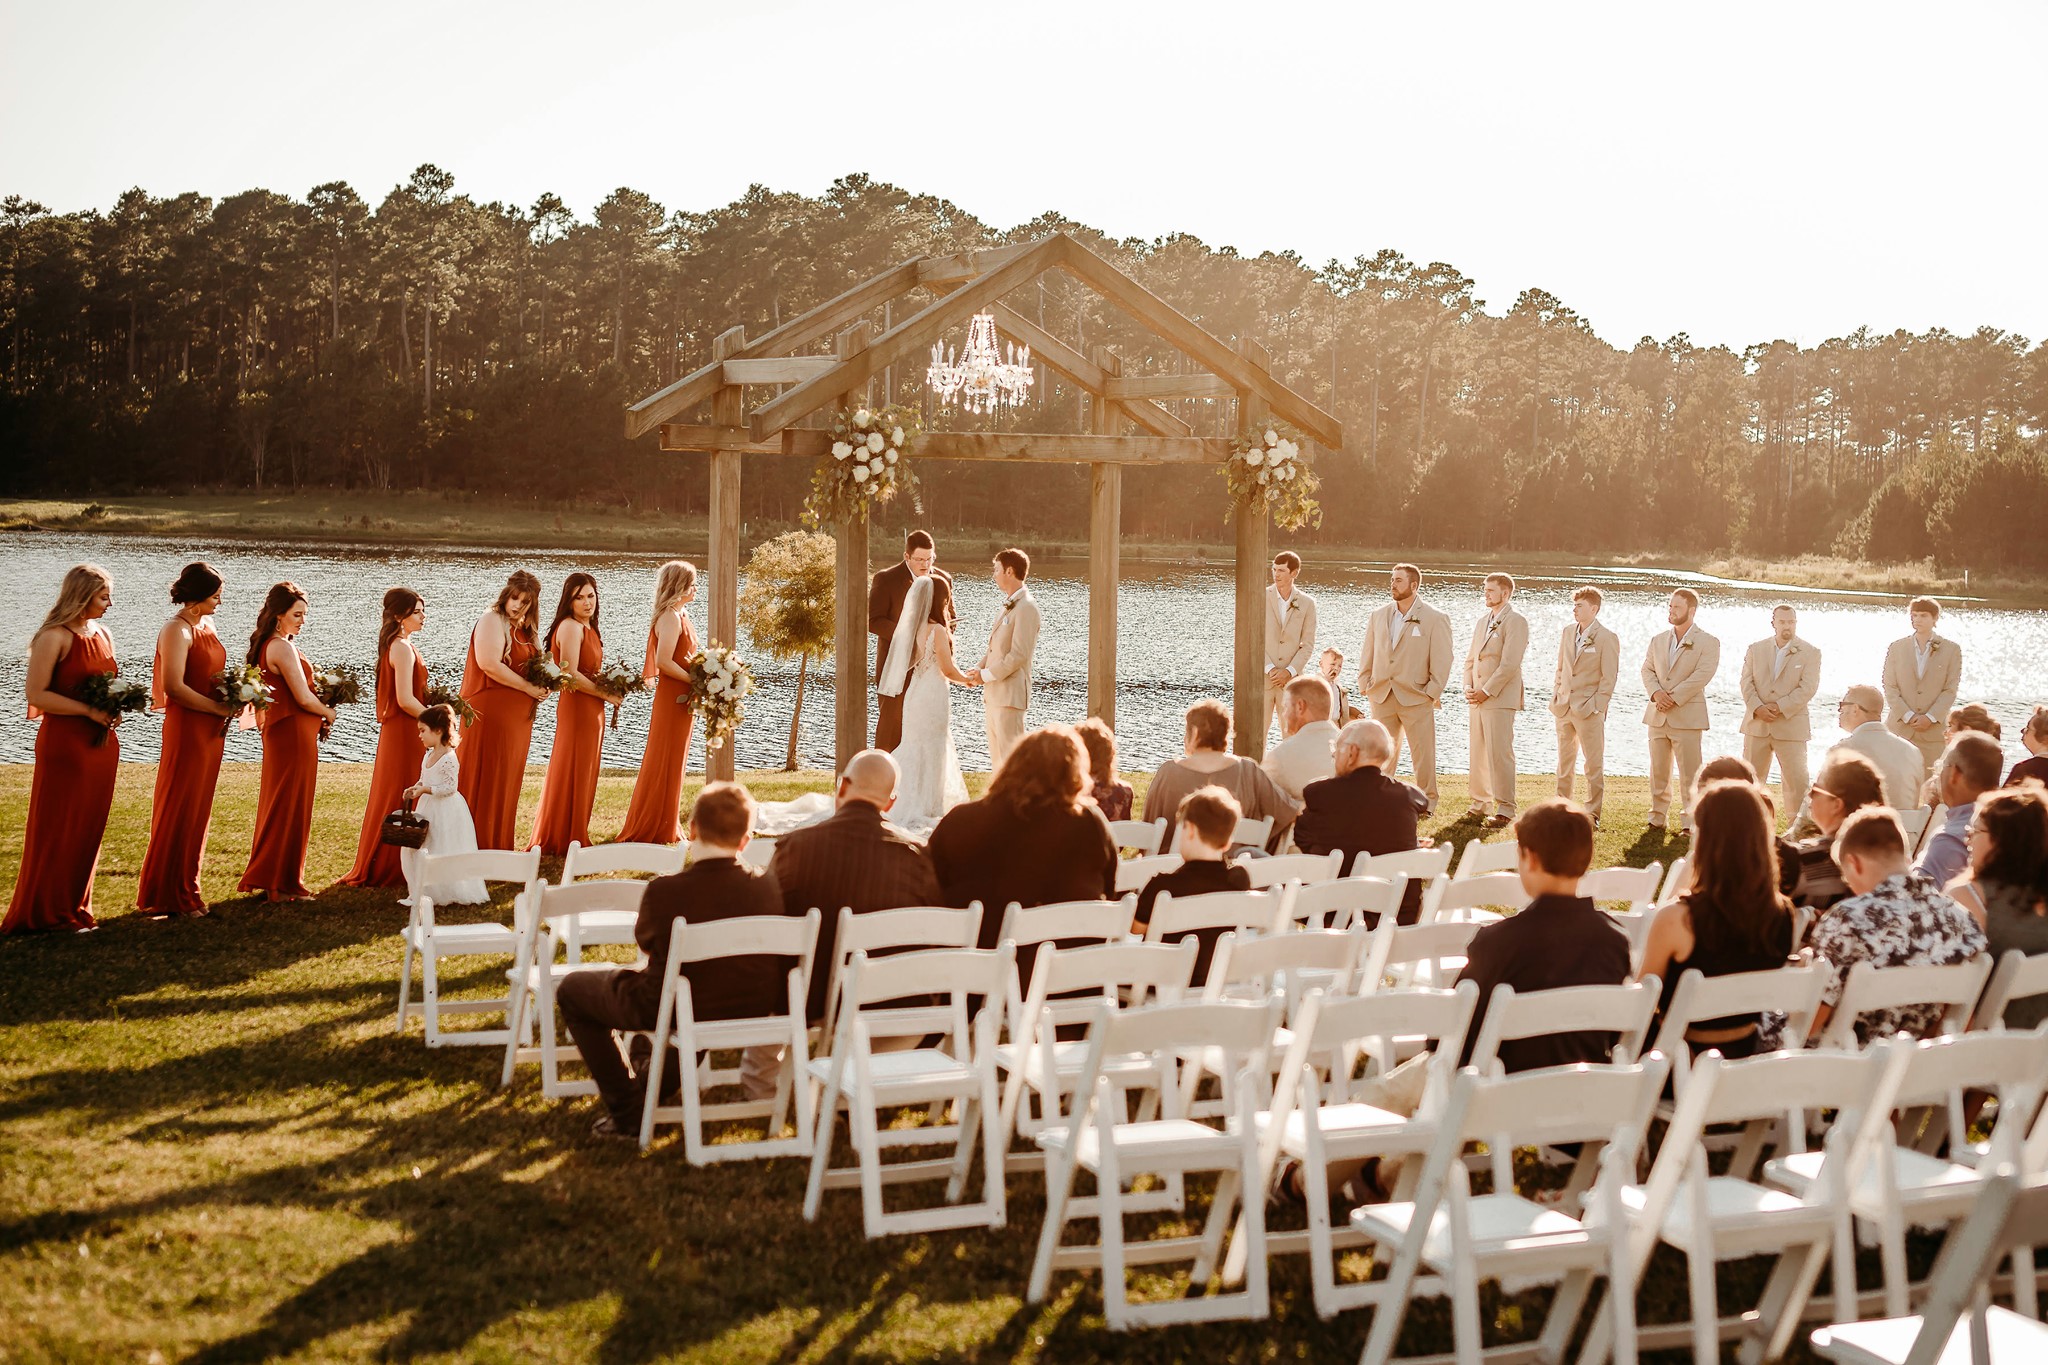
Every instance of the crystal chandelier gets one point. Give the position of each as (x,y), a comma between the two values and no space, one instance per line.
(979,375)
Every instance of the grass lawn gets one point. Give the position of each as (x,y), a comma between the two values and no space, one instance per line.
(214,1147)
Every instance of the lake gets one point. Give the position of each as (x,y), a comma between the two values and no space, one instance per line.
(1174,633)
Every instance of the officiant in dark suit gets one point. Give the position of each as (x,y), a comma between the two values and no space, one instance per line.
(886,593)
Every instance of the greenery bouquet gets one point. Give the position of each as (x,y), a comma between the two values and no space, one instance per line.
(869,463)
(340,685)
(720,683)
(113,693)
(617,680)
(542,671)
(1267,472)
(241,686)
(440,695)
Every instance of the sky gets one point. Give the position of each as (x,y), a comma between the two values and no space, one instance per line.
(1737,172)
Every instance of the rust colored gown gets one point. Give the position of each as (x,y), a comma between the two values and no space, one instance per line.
(494,749)
(68,799)
(654,816)
(396,767)
(571,786)
(186,773)
(284,795)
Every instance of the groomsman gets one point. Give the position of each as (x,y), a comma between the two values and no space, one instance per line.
(1921,676)
(1677,667)
(1290,630)
(1493,691)
(1779,677)
(1404,667)
(1588,666)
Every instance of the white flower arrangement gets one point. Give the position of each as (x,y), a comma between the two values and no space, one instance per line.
(720,683)
(1268,473)
(869,464)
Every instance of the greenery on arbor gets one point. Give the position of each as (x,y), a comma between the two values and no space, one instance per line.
(786,606)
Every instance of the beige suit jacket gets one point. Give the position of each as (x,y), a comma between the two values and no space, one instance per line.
(1899,764)
(1585,680)
(1006,666)
(1791,688)
(1290,636)
(1303,757)
(1411,671)
(1906,692)
(1686,680)
(1493,660)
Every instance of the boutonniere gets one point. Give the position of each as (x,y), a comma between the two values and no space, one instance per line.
(1010,605)
(1684,645)
(1933,645)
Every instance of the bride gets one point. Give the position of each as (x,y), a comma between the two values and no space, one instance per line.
(920,667)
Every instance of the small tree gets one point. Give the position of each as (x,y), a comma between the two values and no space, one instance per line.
(787,607)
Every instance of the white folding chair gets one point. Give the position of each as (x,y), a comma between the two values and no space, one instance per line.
(1794,991)
(1465,1237)
(1636,885)
(1346,901)
(2016,977)
(1481,859)
(1254,967)
(866,1080)
(617,861)
(676,1021)
(1222,911)
(1252,833)
(1291,867)
(1147,837)
(1424,954)
(1416,864)
(1101,1141)
(1676,881)
(1070,922)
(1133,873)
(1937,816)
(535,974)
(430,941)
(1481,899)
(1915,822)
(881,932)
(759,852)
(1871,987)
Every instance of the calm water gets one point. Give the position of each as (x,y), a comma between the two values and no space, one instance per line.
(1173,641)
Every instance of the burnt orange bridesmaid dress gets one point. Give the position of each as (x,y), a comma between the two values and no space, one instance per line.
(68,799)
(494,747)
(284,795)
(571,786)
(396,767)
(654,816)
(186,772)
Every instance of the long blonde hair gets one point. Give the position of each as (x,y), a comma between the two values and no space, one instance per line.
(677,577)
(82,583)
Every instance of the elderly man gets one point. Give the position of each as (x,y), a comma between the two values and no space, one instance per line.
(1362,809)
(1588,667)
(1967,771)
(1922,674)
(1493,691)
(1677,668)
(1290,631)
(1860,713)
(1306,735)
(1779,677)
(1404,666)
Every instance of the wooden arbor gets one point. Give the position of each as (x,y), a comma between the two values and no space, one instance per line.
(968,283)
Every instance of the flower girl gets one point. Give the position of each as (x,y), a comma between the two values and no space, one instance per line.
(449,827)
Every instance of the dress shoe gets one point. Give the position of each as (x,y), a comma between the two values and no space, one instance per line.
(1499,821)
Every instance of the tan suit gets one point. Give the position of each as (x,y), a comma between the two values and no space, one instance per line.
(1579,697)
(1290,640)
(1006,675)
(1791,685)
(1402,680)
(1676,733)
(1909,692)
(1303,757)
(1493,665)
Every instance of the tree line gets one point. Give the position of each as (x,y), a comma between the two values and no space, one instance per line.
(431,341)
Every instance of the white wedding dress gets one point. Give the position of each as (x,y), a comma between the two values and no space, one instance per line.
(931,783)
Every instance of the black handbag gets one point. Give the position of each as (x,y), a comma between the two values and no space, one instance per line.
(404,828)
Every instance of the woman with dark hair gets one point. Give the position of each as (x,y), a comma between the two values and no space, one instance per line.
(189,657)
(401,696)
(1033,839)
(570,788)
(1208,762)
(1113,795)
(655,814)
(2006,888)
(1806,868)
(501,644)
(291,727)
(1734,919)
(77,754)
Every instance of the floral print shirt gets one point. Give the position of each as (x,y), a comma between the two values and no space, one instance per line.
(1905,921)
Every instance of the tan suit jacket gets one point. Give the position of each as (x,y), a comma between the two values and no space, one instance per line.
(1686,680)
(1411,671)
(1493,660)
(1303,757)
(1585,680)
(1006,666)
(1290,636)
(1792,688)
(1906,692)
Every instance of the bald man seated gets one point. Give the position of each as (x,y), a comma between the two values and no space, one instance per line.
(1363,810)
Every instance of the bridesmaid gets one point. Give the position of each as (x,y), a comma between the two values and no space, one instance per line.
(401,692)
(292,726)
(494,682)
(654,814)
(189,657)
(73,786)
(571,786)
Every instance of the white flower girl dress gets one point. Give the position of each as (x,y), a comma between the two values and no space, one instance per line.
(449,830)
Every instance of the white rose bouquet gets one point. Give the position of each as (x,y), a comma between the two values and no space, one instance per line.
(1268,472)
(720,683)
(868,463)
(242,687)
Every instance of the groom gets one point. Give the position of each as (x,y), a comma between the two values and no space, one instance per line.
(1005,672)
(886,591)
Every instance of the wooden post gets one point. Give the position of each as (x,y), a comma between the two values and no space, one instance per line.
(850,592)
(1249,701)
(1105,525)
(722,613)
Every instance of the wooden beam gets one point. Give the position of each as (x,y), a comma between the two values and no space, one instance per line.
(680,438)
(1249,675)
(1066,360)
(965,265)
(907,337)
(1032,447)
(788,369)
(850,605)
(1105,527)
(722,565)
(1171,386)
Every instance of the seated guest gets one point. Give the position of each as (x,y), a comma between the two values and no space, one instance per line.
(1204,823)
(1733,919)
(2034,735)
(1034,839)
(1112,794)
(1972,717)
(1331,667)
(1362,809)
(1969,769)
(1806,867)
(1303,754)
(1898,761)
(1896,917)
(1208,762)
(1726,768)
(854,860)
(2006,888)
(716,885)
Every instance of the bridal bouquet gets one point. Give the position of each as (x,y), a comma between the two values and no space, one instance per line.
(337,686)
(241,686)
(542,671)
(869,463)
(720,683)
(617,680)
(1267,472)
(437,695)
(111,692)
